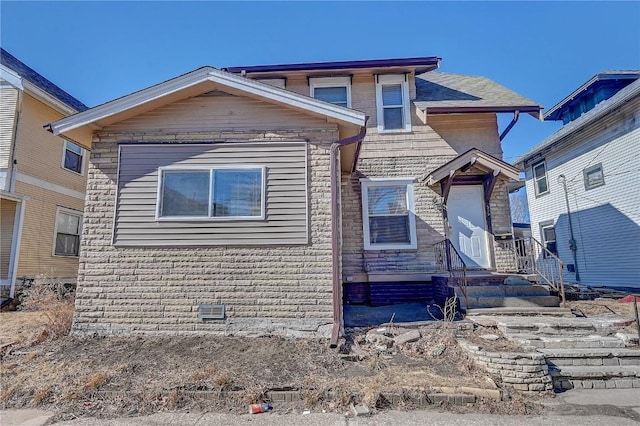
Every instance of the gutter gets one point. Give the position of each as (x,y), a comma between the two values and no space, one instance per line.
(335,225)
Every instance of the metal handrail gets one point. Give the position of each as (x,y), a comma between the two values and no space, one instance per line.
(448,259)
(538,260)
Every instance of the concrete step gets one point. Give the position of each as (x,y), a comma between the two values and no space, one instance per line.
(504,291)
(591,357)
(521,311)
(567,342)
(509,302)
(595,377)
(557,326)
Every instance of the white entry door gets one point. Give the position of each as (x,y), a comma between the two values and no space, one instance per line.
(465,211)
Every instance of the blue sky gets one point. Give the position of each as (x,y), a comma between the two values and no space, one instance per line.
(98,51)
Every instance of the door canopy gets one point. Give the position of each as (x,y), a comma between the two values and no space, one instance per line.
(457,170)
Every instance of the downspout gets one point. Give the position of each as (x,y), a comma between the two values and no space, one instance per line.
(335,225)
(516,115)
(14,163)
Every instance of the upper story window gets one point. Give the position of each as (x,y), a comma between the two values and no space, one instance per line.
(223,193)
(593,176)
(68,230)
(540,181)
(73,157)
(335,90)
(392,101)
(388,214)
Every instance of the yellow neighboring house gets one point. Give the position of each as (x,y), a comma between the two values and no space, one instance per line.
(42,179)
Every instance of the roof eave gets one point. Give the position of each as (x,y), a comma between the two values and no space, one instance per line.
(533,110)
(586,86)
(421,64)
(198,76)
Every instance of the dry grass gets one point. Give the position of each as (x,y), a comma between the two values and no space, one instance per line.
(49,297)
(140,375)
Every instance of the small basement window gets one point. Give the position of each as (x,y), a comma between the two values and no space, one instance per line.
(593,176)
(211,312)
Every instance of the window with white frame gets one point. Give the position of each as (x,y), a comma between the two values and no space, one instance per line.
(68,231)
(213,193)
(392,101)
(593,176)
(335,90)
(73,157)
(540,181)
(548,232)
(388,214)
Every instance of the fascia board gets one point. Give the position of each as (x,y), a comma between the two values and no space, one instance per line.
(504,168)
(45,97)
(11,77)
(207,74)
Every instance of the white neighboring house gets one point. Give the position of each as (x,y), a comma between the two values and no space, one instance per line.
(583,182)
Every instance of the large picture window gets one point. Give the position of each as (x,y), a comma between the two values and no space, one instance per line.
(388,214)
(68,231)
(215,193)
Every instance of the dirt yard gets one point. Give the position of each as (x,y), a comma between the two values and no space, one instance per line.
(106,377)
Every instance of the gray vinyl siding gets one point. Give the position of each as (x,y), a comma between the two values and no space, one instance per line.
(8,101)
(606,219)
(286,195)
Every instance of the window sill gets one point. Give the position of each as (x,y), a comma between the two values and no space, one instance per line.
(72,171)
(67,256)
(209,219)
(391,247)
(393,131)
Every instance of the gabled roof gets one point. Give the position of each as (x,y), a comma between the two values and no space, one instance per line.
(585,119)
(472,157)
(439,92)
(197,82)
(419,65)
(25,72)
(604,76)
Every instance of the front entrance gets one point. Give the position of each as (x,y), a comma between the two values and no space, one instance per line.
(465,212)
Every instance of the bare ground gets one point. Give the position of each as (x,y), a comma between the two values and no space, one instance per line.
(116,376)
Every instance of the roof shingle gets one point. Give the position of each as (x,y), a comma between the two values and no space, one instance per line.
(27,73)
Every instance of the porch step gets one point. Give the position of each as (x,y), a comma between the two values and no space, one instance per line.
(591,357)
(596,377)
(557,326)
(507,291)
(581,342)
(521,311)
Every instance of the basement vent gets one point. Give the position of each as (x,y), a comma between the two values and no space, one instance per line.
(211,312)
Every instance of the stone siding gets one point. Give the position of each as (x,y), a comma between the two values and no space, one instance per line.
(283,290)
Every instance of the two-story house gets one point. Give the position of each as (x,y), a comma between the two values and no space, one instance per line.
(583,182)
(245,200)
(42,179)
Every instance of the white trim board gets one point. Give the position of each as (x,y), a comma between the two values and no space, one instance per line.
(21,177)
